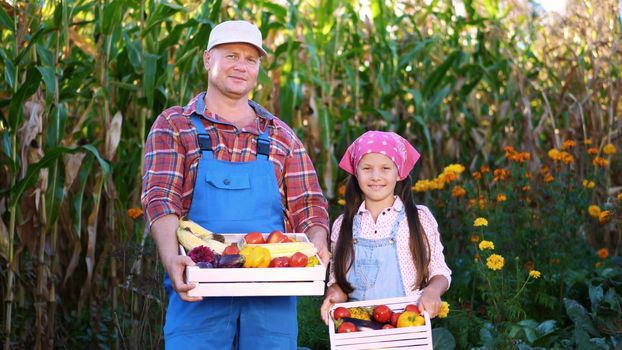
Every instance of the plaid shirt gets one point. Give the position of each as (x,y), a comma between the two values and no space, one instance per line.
(172,154)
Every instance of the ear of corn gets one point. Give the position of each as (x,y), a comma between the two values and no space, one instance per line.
(195,228)
(288,249)
(187,239)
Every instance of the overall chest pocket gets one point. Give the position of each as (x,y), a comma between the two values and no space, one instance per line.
(224,181)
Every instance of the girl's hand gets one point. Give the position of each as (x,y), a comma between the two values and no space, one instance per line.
(334,295)
(431,303)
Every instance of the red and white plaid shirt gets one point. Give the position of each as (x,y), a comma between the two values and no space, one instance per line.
(172,154)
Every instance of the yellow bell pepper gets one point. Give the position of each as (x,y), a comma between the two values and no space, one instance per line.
(256,256)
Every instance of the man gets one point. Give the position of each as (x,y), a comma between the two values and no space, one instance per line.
(231,166)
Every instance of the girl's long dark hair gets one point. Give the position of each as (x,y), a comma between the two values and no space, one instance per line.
(418,241)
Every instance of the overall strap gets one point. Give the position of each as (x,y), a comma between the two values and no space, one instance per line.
(396,224)
(263,145)
(205,143)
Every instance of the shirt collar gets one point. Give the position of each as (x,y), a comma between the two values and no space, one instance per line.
(398,205)
(197,105)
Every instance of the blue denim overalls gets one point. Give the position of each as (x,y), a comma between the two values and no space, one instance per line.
(375,273)
(233,197)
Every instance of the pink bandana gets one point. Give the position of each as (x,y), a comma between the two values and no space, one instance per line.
(392,145)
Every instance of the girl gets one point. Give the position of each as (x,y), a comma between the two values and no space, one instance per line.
(384,245)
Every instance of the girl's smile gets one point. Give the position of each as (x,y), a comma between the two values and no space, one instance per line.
(377,176)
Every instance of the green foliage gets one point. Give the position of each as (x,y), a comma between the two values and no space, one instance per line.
(461,85)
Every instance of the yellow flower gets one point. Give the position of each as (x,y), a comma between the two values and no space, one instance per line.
(587,142)
(589,184)
(134,213)
(619,197)
(495,262)
(341,201)
(604,216)
(593,210)
(454,168)
(609,149)
(535,274)
(444,310)
(603,253)
(553,154)
(483,245)
(480,222)
(501,197)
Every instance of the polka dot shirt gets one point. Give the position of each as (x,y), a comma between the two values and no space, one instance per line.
(382,229)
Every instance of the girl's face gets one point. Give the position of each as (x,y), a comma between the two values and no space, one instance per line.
(377,176)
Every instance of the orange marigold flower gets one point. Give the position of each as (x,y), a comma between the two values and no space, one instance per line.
(341,191)
(597,264)
(604,217)
(501,197)
(482,202)
(449,177)
(544,170)
(458,191)
(477,175)
(568,144)
(603,253)
(549,178)
(477,257)
(609,149)
(566,157)
(509,150)
(475,238)
(600,162)
(592,151)
(471,203)
(500,174)
(587,142)
(594,211)
(528,175)
(134,213)
(526,188)
(484,169)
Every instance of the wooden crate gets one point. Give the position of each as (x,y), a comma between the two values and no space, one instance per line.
(417,338)
(267,281)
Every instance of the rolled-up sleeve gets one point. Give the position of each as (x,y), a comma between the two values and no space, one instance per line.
(305,201)
(163,171)
(437,265)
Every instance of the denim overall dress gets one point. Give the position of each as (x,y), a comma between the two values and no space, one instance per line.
(375,273)
(232,197)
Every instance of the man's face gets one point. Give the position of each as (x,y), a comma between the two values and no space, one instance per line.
(232,68)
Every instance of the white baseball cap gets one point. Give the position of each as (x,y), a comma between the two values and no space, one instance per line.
(236,32)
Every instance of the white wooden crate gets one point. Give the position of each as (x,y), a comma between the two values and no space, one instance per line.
(269,281)
(418,338)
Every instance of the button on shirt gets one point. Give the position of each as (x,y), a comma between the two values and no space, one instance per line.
(172,153)
(382,229)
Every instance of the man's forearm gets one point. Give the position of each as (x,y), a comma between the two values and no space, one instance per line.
(163,232)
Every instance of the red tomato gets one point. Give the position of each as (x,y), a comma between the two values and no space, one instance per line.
(254,238)
(231,249)
(298,260)
(388,326)
(346,327)
(382,313)
(413,308)
(341,312)
(281,261)
(277,236)
(394,318)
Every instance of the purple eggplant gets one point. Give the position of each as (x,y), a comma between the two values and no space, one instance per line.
(231,261)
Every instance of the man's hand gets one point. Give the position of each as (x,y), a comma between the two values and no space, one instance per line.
(319,237)
(175,268)
(163,231)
